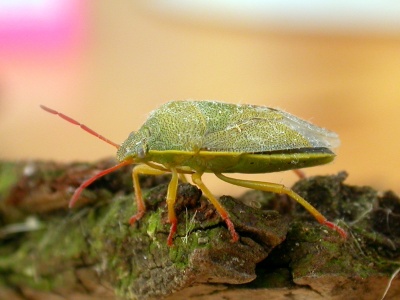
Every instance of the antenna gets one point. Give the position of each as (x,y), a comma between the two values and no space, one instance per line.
(88,182)
(83,126)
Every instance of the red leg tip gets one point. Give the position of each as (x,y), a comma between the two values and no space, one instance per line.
(132,220)
(172,231)
(135,218)
(231,228)
(300,173)
(336,228)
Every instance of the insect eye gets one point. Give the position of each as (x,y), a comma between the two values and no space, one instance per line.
(142,150)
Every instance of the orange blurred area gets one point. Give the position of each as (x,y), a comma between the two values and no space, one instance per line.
(114,62)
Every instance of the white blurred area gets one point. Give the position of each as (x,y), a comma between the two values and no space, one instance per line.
(109,63)
(312,16)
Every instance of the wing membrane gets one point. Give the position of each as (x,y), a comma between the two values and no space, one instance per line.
(274,131)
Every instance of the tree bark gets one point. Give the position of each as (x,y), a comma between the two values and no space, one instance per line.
(90,252)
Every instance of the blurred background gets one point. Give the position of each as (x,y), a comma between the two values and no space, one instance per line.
(109,63)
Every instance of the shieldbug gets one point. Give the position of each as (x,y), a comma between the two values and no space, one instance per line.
(197,137)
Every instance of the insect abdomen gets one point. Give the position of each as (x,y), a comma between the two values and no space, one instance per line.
(231,162)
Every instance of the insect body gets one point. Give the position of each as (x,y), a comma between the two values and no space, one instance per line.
(197,137)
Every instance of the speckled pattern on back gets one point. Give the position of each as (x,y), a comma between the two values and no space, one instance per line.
(217,126)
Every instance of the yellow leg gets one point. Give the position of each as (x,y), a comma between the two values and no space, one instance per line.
(196,177)
(281,189)
(171,198)
(141,207)
(182,177)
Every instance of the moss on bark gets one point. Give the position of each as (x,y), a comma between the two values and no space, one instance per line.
(47,250)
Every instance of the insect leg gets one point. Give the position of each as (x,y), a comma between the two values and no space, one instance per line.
(299,173)
(171,198)
(196,177)
(141,207)
(182,177)
(281,189)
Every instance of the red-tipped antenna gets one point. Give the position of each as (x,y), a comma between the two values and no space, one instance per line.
(84,127)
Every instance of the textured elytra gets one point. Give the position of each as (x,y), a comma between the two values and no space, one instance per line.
(222,127)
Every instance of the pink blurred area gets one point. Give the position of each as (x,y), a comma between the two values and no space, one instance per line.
(37,28)
(44,47)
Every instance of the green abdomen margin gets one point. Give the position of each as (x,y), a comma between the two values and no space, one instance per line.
(251,163)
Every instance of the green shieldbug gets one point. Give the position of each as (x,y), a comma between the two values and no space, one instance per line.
(197,137)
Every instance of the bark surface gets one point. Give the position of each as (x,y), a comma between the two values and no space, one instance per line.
(48,251)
